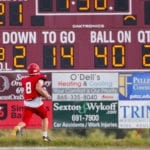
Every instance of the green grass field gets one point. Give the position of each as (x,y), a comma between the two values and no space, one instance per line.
(64,137)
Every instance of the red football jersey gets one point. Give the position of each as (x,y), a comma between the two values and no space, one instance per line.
(29,84)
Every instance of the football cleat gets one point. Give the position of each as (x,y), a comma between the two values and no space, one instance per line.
(16,131)
(46,139)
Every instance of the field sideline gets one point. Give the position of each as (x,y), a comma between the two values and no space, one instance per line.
(95,140)
(71,148)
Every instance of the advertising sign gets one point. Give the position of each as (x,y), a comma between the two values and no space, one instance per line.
(134,114)
(101,114)
(78,86)
(11,114)
(134,86)
(11,87)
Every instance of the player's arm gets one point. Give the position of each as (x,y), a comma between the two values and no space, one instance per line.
(42,91)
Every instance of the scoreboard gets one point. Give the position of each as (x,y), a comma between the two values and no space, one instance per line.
(96,54)
(75,34)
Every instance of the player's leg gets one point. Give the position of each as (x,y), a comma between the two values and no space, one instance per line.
(18,129)
(27,114)
(45,130)
(42,112)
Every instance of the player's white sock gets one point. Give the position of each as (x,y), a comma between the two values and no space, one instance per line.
(45,133)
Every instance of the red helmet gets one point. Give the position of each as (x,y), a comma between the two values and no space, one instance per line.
(33,69)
